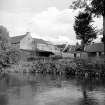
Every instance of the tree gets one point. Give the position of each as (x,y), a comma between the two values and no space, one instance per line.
(84,31)
(4,38)
(96,7)
(8,54)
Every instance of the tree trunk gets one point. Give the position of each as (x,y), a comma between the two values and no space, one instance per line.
(104,32)
(84,94)
(82,45)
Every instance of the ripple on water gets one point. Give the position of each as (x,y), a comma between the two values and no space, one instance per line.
(58,96)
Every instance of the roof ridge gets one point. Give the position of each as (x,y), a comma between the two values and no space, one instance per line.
(17,39)
(17,36)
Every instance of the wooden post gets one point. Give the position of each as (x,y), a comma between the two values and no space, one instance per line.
(35,48)
(97,54)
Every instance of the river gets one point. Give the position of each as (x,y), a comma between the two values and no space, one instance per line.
(28,89)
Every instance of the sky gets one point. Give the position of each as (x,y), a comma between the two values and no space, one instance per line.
(50,20)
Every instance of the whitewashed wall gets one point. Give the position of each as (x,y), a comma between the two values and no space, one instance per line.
(26,43)
(48,47)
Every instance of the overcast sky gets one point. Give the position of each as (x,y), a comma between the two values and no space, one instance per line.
(48,19)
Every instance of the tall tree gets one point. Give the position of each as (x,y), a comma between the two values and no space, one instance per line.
(4,38)
(96,7)
(84,31)
(8,54)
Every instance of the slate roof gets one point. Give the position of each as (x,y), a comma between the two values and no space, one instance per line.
(41,41)
(96,47)
(69,48)
(17,39)
(62,46)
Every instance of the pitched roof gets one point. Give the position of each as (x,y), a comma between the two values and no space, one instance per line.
(41,41)
(17,39)
(70,48)
(67,48)
(62,46)
(96,47)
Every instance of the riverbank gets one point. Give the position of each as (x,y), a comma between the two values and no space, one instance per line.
(67,66)
(42,66)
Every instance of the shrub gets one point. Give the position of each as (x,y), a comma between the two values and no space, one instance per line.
(53,66)
(14,55)
(10,56)
(3,59)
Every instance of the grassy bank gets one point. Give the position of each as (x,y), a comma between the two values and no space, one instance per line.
(43,66)
(75,67)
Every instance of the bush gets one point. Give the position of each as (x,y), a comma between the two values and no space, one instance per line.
(3,59)
(14,55)
(53,66)
(10,56)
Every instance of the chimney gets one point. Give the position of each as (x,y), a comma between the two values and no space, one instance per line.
(28,33)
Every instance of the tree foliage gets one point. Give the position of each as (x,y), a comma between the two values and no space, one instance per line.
(4,38)
(93,6)
(80,4)
(8,54)
(97,7)
(83,29)
(4,34)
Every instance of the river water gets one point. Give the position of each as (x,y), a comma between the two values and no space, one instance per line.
(28,89)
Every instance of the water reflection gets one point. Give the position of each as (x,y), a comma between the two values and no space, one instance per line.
(3,99)
(27,89)
(89,88)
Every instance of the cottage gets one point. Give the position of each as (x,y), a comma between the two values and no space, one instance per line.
(95,50)
(67,48)
(71,51)
(15,41)
(94,53)
(27,43)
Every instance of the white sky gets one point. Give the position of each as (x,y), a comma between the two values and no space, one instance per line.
(48,19)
